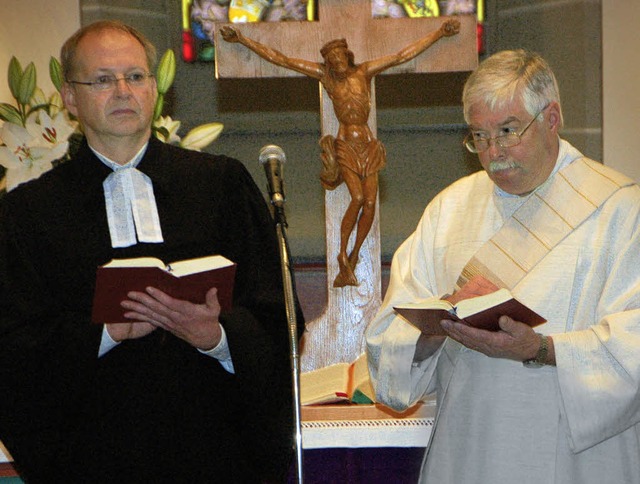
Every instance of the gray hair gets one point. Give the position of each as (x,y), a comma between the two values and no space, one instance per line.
(68,50)
(510,73)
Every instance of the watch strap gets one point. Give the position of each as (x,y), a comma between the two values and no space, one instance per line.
(541,356)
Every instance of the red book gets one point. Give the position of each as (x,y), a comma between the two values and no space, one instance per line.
(480,312)
(187,279)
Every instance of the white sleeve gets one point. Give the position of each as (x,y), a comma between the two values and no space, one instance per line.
(599,366)
(391,341)
(106,343)
(221,352)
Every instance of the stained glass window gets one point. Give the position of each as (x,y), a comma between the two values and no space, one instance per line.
(199,16)
(432,8)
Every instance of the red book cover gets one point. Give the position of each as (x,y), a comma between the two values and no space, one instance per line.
(480,312)
(488,318)
(188,280)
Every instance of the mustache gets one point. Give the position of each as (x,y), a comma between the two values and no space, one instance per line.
(498,165)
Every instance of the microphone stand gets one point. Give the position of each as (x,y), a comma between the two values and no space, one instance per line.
(281,229)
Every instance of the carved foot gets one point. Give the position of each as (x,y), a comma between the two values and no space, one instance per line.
(346,276)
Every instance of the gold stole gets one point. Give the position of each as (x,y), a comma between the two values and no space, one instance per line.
(549,215)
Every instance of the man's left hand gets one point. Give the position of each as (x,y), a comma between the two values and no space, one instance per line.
(197,324)
(514,341)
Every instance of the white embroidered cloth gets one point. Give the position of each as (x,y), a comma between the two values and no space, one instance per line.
(354,426)
(412,432)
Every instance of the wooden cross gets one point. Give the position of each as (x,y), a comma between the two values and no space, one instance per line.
(337,335)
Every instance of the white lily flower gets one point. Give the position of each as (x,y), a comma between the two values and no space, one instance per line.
(20,157)
(201,136)
(29,152)
(51,132)
(172,128)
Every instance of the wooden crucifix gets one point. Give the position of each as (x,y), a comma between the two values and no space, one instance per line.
(354,297)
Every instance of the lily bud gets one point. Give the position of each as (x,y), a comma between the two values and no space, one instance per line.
(55,104)
(27,84)
(14,76)
(166,71)
(10,114)
(55,73)
(201,136)
(38,98)
(157,110)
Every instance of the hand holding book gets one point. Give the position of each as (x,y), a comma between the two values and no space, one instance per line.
(198,324)
(188,280)
(480,312)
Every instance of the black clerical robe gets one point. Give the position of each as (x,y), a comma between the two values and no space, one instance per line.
(152,409)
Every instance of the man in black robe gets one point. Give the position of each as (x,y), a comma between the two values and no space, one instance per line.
(183,393)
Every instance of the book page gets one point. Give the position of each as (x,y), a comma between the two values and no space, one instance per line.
(136,262)
(431,303)
(201,264)
(474,305)
(360,378)
(321,385)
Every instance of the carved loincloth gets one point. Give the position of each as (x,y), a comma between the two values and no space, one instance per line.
(363,159)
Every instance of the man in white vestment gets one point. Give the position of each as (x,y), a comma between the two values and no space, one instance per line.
(558,403)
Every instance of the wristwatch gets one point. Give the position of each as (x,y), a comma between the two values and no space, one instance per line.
(541,356)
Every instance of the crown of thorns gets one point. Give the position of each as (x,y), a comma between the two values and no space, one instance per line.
(329,46)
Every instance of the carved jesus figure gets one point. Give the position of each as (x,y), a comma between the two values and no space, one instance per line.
(354,156)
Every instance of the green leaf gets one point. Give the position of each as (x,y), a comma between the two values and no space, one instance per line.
(10,113)
(27,84)
(14,76)
(55,73)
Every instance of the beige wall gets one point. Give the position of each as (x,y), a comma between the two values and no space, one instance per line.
(621,86)
(34,30)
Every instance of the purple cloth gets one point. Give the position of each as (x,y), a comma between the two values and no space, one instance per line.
(370,465)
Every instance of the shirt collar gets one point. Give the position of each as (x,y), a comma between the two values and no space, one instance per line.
(132,163)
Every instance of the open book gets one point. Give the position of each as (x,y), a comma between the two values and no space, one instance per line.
(187,279)
(480,312)
(340,382)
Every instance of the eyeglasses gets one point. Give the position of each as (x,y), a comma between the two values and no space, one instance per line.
(507,140)
(107,83)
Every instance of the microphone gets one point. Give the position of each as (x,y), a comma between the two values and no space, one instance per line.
(272,157)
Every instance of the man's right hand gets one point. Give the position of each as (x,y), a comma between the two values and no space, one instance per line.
(122,331)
